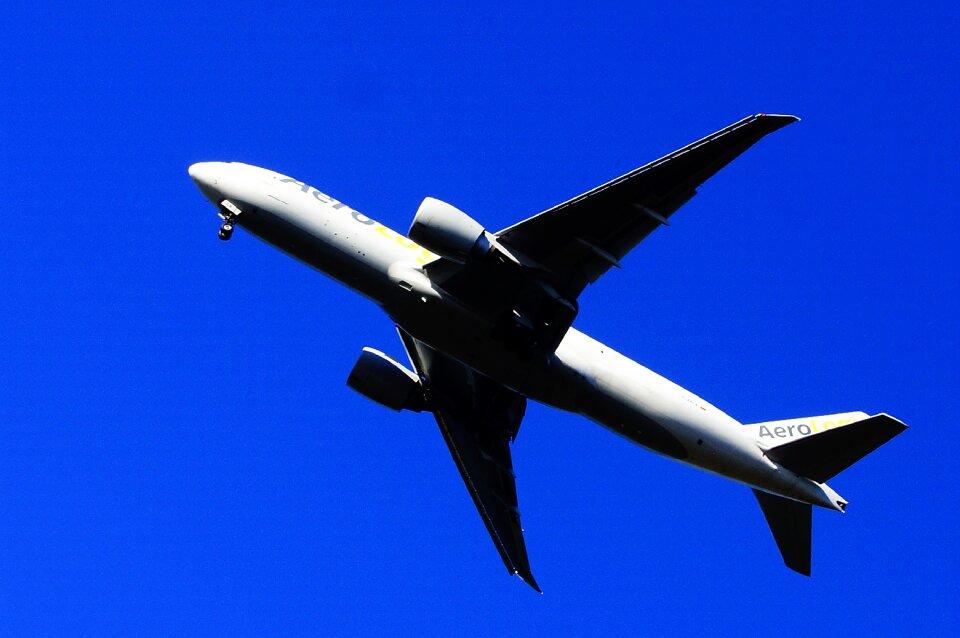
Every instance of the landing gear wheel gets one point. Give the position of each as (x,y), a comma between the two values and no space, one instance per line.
(226,231)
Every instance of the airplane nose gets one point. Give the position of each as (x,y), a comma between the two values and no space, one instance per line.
(206,175)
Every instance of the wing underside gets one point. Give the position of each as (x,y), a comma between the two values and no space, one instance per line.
(577,241)
(479,419)
(532,296)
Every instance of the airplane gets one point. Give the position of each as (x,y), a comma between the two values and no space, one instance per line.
(486,322)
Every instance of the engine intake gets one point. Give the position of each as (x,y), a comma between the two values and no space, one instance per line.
(382,379)
(449,232)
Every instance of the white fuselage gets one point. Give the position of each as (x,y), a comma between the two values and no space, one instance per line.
(583,376)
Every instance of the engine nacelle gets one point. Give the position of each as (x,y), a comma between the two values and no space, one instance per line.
(382,379)
(448,231)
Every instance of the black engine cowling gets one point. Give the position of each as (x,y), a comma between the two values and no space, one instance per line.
(382,379)
(449,232)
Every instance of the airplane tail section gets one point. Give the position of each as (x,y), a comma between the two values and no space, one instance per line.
(821,454)
(792,525)
(817,448)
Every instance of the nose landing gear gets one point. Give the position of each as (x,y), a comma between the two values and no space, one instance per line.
(228,212)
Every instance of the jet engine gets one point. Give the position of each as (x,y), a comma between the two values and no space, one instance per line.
(448,231)
(382,379)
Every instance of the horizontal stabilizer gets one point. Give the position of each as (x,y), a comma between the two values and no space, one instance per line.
(792,525)
(823,455)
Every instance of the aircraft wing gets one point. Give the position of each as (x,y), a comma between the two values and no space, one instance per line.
(478,418)
(579,240)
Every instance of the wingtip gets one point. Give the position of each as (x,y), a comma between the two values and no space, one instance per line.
(787,119)
(528,579)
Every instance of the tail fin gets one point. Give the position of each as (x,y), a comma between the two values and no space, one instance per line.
(792,525)
(823,455)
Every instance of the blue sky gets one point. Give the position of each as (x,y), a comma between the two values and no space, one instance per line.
(180,456)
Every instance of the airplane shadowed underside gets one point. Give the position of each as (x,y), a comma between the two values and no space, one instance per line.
(486,322)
